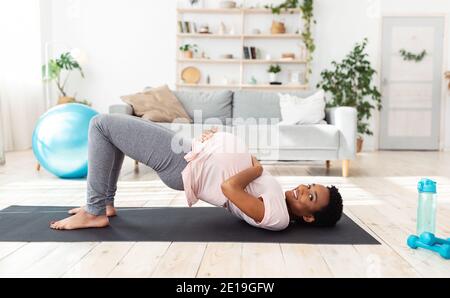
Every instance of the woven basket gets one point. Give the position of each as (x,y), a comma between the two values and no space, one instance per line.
(278,28)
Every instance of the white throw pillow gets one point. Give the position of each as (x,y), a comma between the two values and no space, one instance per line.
(297,110)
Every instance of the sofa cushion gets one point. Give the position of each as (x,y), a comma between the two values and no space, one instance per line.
(261,105)
(212,105)
(299,110)
(158,105)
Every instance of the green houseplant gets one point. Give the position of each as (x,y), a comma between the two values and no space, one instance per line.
(53,71)
(273,70)
(350,83)
(188,50)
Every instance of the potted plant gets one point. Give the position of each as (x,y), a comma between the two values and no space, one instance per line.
(273,71)
(350,83)
(188,50)
(53,70)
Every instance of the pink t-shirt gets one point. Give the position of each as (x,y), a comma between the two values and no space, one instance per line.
(216,160)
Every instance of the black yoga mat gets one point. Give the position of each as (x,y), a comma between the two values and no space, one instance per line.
(31,224)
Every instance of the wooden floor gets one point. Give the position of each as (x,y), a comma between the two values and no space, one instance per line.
(380,196)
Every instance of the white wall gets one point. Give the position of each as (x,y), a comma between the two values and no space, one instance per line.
(131,43)
(21,101)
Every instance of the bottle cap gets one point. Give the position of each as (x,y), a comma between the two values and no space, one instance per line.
(426,185)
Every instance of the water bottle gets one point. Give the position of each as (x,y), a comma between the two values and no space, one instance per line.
(426,211)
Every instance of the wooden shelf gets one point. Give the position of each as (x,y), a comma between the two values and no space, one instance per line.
(237,61)
(239,36)
(212,86)
(203,35)
(275,36)
(278,61)
(269,11)
(234,11)
(210,61)
(211,10)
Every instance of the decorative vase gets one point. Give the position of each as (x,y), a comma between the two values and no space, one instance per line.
(188,54)
(303,53)
(359,144)
(256,31)
(222,29)
(294,77)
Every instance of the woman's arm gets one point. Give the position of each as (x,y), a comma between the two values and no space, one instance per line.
(233,189)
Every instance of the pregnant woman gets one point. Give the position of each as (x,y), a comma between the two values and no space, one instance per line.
(218,169)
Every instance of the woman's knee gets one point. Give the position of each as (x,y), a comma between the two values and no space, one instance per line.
(100,122)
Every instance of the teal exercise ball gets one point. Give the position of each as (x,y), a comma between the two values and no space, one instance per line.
(60,140)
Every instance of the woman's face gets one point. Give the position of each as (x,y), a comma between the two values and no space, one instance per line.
(305,200)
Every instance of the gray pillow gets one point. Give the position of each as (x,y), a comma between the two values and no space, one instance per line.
(212,104)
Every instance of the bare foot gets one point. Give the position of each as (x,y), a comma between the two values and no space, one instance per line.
(110,211)
(81,220)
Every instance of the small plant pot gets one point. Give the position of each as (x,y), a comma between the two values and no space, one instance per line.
(188,54)
(272,77)
(359,144)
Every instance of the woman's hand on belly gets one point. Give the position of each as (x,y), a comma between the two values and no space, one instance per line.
(208,134)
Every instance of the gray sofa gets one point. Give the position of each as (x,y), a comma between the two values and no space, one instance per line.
(254,116)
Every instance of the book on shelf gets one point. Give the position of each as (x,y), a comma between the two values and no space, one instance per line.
(186,28)
(250,53)
(247,53)
(253,52)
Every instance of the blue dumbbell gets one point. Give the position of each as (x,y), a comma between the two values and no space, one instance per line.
(431,239)
(444,250)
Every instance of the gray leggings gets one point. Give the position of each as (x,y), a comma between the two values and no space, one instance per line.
(111,137)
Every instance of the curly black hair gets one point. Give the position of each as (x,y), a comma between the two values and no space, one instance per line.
(329,215)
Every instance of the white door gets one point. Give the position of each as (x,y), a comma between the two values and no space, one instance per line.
(410,118)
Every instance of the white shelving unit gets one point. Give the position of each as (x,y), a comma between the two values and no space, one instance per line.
(238,65)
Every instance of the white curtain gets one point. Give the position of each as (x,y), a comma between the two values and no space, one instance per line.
(21,87)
